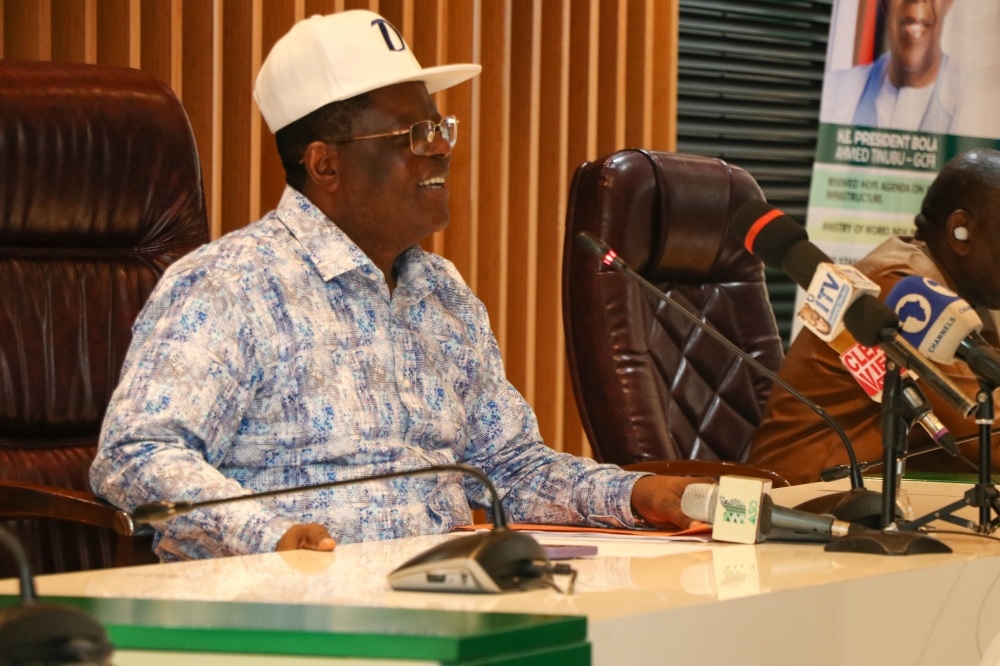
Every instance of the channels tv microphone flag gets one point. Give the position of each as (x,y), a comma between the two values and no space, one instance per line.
(944,326)
(500,560)
(859,504)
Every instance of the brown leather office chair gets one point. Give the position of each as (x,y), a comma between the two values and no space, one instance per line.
(100,190)
(655,392)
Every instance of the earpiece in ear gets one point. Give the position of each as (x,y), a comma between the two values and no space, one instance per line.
(961,233)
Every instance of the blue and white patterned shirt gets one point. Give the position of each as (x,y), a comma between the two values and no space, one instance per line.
(275,357)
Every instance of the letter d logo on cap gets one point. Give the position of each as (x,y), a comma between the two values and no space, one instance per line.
(396,44)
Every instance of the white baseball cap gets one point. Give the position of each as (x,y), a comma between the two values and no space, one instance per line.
(325,59)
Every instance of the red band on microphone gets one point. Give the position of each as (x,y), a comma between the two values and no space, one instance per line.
(756,227)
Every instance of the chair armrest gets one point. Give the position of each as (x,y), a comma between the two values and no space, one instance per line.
(20,501)
(714,468)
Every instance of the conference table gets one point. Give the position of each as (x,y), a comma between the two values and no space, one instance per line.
(640,600)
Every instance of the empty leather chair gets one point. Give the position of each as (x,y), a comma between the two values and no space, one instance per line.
(100,190)
(653,390)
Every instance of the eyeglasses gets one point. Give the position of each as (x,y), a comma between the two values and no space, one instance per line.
(422,135)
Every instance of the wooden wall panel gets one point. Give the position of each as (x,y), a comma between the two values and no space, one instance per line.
(522,174)
(277,18)
(156,41)
(564,81)
(200,71)
(117,25)
(74,30)
(27,29)
(489,279)
(552,186)
(239,18)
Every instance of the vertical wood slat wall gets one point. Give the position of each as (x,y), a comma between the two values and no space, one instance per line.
(563,81)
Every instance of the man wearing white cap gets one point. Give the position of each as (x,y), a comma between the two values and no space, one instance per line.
(322,343)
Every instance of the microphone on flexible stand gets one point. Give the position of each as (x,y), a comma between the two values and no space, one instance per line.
(835,472)
(36,633)
(782,243)
(841,297)
(500,560)
(859,505)
(944,327)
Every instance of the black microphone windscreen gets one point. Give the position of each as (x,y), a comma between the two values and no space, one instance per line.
(766,232)
(801,261)
(868,319)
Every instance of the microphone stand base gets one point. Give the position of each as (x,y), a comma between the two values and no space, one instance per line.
(860,506)
(876,542)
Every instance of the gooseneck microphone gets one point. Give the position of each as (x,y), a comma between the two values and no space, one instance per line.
(782,243)
(38,633)
(161,510)
(835,472)
(496,561)
(861,504)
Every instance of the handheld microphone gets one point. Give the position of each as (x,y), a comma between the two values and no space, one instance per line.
(860,503)
(943,326)
(35,633)
(782,243)
(701,500)
(496,561)
(720,505)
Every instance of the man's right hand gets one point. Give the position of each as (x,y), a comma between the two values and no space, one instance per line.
(311,536)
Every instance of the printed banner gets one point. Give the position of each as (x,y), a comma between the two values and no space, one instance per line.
(908,85)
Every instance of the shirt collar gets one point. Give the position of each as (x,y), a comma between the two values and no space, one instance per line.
(333,253)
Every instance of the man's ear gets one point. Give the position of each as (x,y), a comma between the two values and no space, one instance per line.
(322,164)
(959,229)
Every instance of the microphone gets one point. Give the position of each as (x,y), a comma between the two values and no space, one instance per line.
(943,326)
(867,366)
(734,500)
(35,633)
(859,504)
(836,472)
(701,500)
(496,561)
(782,243)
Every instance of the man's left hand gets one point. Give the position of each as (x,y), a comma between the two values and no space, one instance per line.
(658,499)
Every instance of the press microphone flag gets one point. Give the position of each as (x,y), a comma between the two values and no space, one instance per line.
(943,326)
(780,242)
(832,290)
(740,510)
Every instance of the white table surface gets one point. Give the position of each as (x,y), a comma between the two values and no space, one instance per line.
(655,602)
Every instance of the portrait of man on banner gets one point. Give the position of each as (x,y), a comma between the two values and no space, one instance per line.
(919,65)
